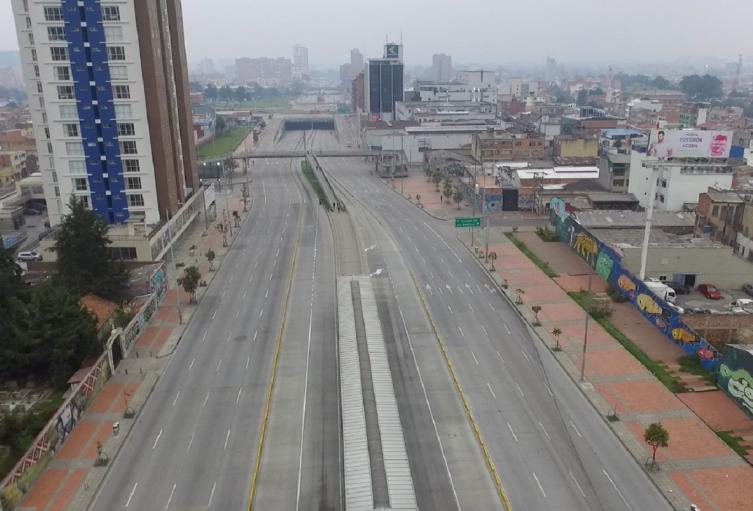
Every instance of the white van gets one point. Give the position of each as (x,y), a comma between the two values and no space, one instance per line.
(741,303)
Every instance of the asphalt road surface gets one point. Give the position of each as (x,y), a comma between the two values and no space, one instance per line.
(550,447)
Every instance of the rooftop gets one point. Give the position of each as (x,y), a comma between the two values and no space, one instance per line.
(633,238)
(101,309)
(724,196)
(625,219)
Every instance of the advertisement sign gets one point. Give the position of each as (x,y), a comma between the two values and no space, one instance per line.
(664,144)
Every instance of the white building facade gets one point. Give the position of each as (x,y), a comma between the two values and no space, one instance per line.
(82,66)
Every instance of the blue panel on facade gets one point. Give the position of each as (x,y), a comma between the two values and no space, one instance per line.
(91,75)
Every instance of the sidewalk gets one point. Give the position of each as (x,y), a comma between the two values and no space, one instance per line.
(71,478)
(697,467)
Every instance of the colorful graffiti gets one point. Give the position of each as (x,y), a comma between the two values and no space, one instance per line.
(739,384)
(608,264)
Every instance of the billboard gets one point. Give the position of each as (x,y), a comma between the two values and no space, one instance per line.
(663,144)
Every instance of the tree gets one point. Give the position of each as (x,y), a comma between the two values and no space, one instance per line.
(701,87)
(10,274)
(59,334)
(241,94)
(656,436)
(219,124)
(447,192)
(225,93)
(190,281)
(195,86)
(211,93)
(556,332)
(661,83)
(458,197)
(436,178)
(84,261)
(536,309)
(210,257)
(491,256)
(519,299)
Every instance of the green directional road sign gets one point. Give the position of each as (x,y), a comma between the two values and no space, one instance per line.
(473,221)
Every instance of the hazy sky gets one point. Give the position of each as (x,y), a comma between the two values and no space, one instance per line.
(471,31)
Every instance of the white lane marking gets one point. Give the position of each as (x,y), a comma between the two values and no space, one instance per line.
(549,389)
(256,332)
(237,313)
(539,484)
(443,241)
(519,390)
(479,288)
(211,494)
(470,307)
(509,332)
(248,360)
(250,277)
(176,398)
(190,442)
(509,426)
(617,489)
(244,294)
(204,338)
(130,496)
(217,370)
(470,289)
(582,493)
(491,391)
(500,357)
(449,308)
(484,329)
(474,357)
(205,400)
(157,439)
(214,314)
(461,332)
(460,290)
(528,359)
(227,437)
(261,313)
(449,289)
(229,336)
(492,307)
(170,498)
(270,276)
(545,432)
(266,293)
(278,252)
(468,272)
(577,431)
(238,397)
(191,364)
(223,293)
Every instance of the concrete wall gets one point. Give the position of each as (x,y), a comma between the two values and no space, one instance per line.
(721,329)
(713,265)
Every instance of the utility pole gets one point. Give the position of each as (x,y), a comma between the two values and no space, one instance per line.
(473,195)
(585,333)
(649,216)
(175,268)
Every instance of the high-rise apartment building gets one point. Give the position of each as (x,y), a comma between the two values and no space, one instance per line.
(441,68)
(356,63)
(300,61)
(383,82)
(107,83)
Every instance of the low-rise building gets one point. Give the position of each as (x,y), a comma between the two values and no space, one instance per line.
(718,215)
(744,236)
(492,147)
(576,147)
(615,146)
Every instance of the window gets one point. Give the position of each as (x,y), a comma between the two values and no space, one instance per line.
(115,53)
(136,200)
(34,54)
(113,34)
(65,92)
(49,147)
(77,167)
(618,182)
(59,53)
(133,183)
(47,133)
(131,165)
(123,111)
(110,13)
(715,211)
(126,129)
(663,183)
(74,148)
(41,102)
(121,92)
(36,70)
(63,73)
(80,184)
(68,112)
(128,147)
(53,14)
(118,73)
(31,39)
(56,33)
(85,200)
(123,253)
(70,130)
(661,197)
(39,87)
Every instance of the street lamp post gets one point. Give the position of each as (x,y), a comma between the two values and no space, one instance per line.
(175,268)
(585,333)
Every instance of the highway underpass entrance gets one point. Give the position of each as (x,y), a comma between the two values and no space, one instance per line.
(309,123)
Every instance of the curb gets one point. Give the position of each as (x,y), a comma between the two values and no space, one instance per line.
(533,330)
(408,199)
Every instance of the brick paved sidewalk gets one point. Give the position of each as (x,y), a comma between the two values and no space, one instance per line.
(71,479)
(697,466)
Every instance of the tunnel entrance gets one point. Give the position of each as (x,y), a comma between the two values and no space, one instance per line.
(309,124)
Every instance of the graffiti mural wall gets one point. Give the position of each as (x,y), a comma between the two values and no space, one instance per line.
(607,263)
(735,376)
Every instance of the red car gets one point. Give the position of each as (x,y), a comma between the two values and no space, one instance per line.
(710,292)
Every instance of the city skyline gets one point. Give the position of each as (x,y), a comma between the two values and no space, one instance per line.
(483,40)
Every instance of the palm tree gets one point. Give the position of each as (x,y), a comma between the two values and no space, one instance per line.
(536,309)
(491,256)
(447,192)
(556,332)
(519,299)
(436,179)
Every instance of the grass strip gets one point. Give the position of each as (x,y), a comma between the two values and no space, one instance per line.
(692,365)
(223,144)
(733,441)
(315,184)
(658,369)
(533,257)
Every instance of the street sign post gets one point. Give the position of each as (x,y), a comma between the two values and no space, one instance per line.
(468,222)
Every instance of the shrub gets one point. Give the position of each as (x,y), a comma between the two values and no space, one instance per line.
(546,234)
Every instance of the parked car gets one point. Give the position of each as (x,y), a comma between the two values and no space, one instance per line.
(741,303)
(710,291)
(681,289)
(748,288)
(28,256)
